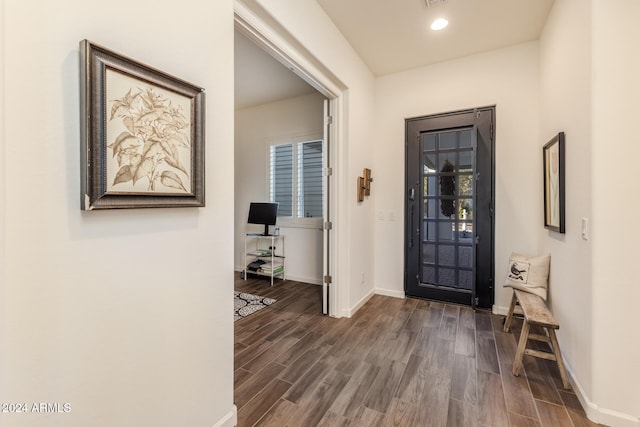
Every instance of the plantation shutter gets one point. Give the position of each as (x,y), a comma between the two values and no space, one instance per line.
(310,179)
(281,179)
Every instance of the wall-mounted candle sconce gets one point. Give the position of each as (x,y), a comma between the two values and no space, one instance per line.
(364,184)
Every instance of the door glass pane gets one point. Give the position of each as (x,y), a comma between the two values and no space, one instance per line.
(429,231)
(465,257)
(465,139)
(447,140)
(465,209)
(465,233)
(465,160)
(430,208)
(447,163)
(447,255)
(430,162)
(465,185)
(447,190)
(429,253)
(429,275)
(429,141)
(448,209)
(446,230)
(446,277)
(451,159)
(430,186)
(465,279)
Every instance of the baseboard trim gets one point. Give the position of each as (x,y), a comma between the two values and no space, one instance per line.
(596,413)
(310,280)
(359,304)
(230,419)
(499,310)
(390,293)
(367,297)
(613,418)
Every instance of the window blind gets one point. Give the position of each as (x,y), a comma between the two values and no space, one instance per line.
(281,178)
(310,180)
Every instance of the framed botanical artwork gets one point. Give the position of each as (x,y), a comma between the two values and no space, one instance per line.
(553,161)
(142,134)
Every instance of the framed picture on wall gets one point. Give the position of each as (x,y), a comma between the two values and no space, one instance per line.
(142,134)
(554,191)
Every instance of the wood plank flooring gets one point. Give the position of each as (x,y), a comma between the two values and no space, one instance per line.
(394,363)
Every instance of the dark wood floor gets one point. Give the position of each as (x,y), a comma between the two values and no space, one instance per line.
(394,363)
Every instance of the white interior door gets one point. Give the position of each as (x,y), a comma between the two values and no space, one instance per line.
(326,227)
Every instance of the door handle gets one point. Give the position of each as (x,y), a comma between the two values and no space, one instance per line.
(411,225)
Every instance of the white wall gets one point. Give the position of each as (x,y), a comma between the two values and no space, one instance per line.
(615,202)
(125,315)
(324,46)
(589,66)
(507,78)
(255,129)
(565,105)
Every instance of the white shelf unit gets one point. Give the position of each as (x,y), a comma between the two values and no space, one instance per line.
(268,249)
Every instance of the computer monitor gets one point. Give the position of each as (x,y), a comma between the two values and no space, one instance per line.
(263,213)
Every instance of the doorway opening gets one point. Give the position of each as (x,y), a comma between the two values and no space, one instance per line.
(308,235)
(449,224)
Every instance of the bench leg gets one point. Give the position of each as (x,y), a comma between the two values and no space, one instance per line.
(507,320)
(522,345)
(556,351)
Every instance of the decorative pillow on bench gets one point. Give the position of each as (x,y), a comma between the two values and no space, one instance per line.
(529,274)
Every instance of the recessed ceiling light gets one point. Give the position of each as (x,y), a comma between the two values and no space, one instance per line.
(439,24)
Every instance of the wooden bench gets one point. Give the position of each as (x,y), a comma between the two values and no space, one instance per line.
(535,313)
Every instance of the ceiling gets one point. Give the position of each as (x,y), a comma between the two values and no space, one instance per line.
(392,36)
(260,79)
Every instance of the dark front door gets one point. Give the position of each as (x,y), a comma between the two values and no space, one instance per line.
(449,207)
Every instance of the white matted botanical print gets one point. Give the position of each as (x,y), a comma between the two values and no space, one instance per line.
(147,138)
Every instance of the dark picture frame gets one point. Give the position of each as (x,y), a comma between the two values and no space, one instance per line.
(142,134)
(553,156)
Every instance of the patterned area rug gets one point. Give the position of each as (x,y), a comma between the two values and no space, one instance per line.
(246,304)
